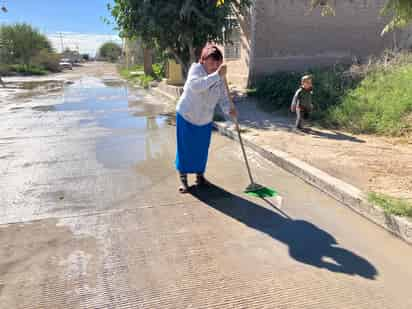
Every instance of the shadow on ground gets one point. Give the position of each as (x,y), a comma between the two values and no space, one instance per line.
(307,243)
(333,135)
(251,115)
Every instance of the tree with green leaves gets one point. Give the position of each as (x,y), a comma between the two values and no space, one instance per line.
(180,27)
(401,13)
(21,43)
(183,26)
(110,51)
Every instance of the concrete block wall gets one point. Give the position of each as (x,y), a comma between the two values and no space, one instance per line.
(290,37)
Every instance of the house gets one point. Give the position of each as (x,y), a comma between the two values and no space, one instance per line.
(285,35)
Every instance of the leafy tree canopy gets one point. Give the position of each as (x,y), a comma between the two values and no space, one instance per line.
(110,51)
(20,43)
(181,27)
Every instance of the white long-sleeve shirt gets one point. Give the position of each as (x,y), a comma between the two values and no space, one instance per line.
(200,95)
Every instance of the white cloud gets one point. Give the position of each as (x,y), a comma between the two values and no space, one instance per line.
(87,43)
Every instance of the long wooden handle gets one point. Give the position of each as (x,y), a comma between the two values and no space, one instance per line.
(232,104)
(238,131)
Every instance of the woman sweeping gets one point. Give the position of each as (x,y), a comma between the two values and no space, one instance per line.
(204,88)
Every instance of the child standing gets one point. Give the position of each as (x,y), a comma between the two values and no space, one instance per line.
(302,101)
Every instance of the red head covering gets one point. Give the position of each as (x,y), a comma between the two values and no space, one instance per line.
(211,51)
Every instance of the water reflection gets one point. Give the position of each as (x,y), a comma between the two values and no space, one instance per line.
(136,130)
(140,148)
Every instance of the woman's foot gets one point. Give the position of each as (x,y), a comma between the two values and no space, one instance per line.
(184,187)
(201,180)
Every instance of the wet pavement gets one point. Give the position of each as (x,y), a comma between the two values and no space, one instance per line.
(90,218)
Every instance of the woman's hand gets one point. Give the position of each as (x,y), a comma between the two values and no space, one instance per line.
(233,112)
(222,70)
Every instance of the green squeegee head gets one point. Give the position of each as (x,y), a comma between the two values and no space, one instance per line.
(257,190)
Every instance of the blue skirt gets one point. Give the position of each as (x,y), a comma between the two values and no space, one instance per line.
(192,146)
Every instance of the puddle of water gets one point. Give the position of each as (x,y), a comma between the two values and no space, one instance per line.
(31,85)
(121,151)
(16,108)
(138,131)
(123,120)
(45,108)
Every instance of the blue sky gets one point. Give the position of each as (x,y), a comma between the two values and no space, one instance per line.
(80,21)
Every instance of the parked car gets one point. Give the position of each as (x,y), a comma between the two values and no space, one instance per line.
(66,64)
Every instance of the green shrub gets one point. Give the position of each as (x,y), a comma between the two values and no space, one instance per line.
(21,42)
(27,70)
(158,71)
(110,51)
(127,73)
(47,60)
(391,205)
(145,81)
(375,98)
(276,91)
(4,69)
(381,104)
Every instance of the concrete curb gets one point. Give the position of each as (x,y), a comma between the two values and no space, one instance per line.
(341,191)
(162,93)
(168,91)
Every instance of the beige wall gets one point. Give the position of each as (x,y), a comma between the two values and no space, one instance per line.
(133,52)
(281,35)
(238,69)
(288,38)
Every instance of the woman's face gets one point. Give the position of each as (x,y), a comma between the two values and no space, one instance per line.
(211,65)
(307,84)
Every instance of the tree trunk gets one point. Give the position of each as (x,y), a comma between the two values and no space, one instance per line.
(192,52)
(148,61)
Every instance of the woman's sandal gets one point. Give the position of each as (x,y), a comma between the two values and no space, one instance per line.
(184,187)
(201,181)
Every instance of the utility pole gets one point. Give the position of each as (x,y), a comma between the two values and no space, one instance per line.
(61,41)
